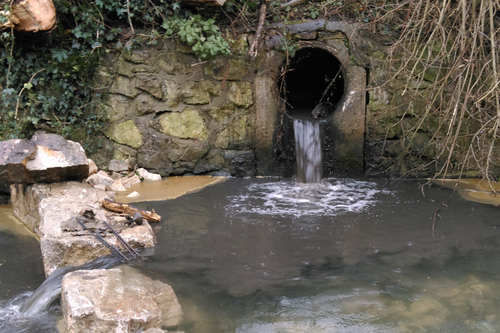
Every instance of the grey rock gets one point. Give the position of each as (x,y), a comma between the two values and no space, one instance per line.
(47,158)
(50,211)
(100,178)
(118,300)
(118,165)
(14,154)
(148,176)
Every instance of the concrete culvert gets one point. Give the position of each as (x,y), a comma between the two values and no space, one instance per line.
(314,79)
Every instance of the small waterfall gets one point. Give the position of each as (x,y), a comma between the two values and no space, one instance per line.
(50,290)
(308,151)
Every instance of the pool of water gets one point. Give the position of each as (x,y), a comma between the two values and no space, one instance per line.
(21,273)
(270,255)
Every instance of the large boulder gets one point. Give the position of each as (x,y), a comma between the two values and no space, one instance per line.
(118,300)
(14,155)
(46,158)
(51,210)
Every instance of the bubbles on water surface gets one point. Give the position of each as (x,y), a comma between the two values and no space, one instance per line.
(287,198)
(14,321)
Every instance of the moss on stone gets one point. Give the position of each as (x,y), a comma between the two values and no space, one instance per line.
(186,124)
(240,93)
(125,133)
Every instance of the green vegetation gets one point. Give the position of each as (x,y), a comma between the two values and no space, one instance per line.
(48,78)
(447,51)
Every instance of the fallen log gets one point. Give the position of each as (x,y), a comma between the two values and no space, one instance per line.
(130,210)
(30,15)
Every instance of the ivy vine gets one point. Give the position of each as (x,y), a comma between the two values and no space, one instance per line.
(48,78)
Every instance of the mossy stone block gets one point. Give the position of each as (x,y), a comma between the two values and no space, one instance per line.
(186,124)
(126,133)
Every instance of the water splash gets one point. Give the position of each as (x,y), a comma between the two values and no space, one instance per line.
(308,151)
(328,198)
(50,290)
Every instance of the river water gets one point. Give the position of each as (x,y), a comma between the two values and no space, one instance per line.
(270,255)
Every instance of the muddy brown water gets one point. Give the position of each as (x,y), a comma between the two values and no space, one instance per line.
(271,255)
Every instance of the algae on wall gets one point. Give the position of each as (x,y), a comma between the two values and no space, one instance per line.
(170,113)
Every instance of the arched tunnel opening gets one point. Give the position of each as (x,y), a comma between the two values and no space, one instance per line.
(312,76)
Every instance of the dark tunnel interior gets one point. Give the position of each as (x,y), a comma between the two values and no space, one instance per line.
(313,76)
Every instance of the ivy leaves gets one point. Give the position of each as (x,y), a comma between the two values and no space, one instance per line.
(202,35)
(48,79)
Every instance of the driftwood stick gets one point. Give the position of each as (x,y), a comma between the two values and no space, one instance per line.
(130,210)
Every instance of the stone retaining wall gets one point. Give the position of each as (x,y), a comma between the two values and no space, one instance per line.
(173,114)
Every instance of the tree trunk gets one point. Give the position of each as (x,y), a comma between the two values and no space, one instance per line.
(30,15)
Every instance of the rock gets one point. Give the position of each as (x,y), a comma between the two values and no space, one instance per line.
(93,169)
(47,158)
(118,186)
(133,194)
(118,165)
(49,209)
(119,108)
(128,182)
(146,175)
(100,178)
(119,300)
(186,124)
(14,155)
(200,92)
(116,175)
(100,187)
(240,93)
(126,133)
(223,69)
(124,86)
(146,82)
(234,136)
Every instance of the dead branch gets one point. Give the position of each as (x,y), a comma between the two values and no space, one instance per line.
(130,210)
(262,19)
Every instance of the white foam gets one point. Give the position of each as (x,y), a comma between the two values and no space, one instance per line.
(288,198)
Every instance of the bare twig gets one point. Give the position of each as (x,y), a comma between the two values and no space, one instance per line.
(22,90)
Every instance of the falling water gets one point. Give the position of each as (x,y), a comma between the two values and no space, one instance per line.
(308,151)
(50,290)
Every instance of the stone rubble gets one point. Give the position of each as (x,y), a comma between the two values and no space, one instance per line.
(120,178)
